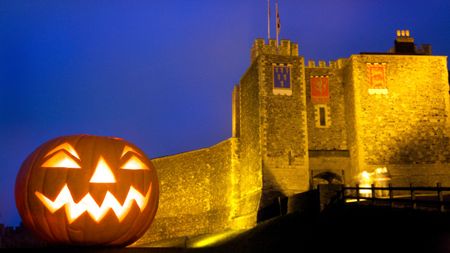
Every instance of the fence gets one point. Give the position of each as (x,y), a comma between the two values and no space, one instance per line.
(415,197)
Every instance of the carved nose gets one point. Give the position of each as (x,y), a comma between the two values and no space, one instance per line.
(102,173)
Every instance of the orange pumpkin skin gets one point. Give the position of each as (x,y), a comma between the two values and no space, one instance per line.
(41,178)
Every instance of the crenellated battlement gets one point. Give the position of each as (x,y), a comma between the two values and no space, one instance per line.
(286,48)
(323,64)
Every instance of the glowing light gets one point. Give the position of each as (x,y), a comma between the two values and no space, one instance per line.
(378,91)
(102,173)
(365,181)
(381,170)
(65,146)
(379,177)
(354,200)
(61,160)
(88,204)
(134,163)
(365,176)
(215,239)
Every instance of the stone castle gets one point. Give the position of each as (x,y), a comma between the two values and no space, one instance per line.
(293,121)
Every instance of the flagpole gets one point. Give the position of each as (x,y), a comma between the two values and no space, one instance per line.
(277,21)
(268,20)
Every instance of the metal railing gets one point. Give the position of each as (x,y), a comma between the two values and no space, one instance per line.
(415,197)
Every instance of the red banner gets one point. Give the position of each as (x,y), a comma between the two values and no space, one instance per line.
(319,89)
(377,76)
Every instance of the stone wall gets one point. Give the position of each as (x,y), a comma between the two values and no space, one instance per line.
(405,130)
(235,113)
(333,137)
(283,132)
(352,122)
(196,191)
(326,143)
(286,48)
(248,162)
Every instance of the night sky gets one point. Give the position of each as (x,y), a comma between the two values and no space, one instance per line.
(160,73)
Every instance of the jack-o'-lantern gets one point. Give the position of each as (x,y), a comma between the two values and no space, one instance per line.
(87,190)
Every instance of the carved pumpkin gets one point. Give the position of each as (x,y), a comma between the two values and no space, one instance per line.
(87,190)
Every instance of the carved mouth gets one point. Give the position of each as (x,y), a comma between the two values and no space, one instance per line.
(88,204)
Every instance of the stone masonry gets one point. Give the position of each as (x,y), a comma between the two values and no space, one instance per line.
(292,121)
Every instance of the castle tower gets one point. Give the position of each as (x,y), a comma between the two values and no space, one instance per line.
(398,113)
(272,125)
(327,124)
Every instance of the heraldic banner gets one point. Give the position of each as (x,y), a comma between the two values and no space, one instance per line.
(319,89)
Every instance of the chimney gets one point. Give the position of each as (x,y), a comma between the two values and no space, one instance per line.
(404,43)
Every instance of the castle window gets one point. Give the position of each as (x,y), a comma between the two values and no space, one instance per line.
(322,121)
(322,116)
(282,79)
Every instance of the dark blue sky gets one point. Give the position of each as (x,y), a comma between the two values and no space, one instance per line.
(160,73)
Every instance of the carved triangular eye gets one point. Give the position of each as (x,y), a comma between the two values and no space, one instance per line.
(134,163)
(65,146)
(61,160)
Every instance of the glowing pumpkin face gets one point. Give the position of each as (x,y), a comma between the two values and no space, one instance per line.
(87,190)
